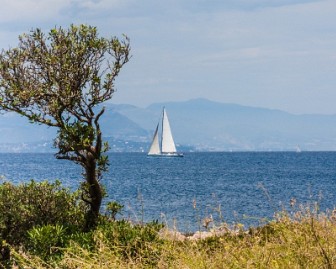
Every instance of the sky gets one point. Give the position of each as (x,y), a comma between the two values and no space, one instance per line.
(278,54)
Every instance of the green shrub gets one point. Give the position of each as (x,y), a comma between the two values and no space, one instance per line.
(46,241)
(50,241)
(113,208)
(25,206)
(124,239)
(132,241)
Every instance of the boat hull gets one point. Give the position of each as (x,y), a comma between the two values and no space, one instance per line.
(166,155)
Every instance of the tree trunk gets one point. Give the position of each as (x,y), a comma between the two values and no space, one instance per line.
(4,257)
(95,194)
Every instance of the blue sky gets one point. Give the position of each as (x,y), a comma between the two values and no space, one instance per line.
(277,54)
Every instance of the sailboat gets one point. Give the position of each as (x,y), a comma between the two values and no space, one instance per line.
(167,146)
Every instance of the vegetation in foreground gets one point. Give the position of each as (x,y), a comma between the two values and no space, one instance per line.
(41,227)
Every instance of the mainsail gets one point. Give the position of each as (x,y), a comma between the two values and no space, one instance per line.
(168,144)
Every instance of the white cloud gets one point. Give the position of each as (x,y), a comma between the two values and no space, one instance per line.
(243,51)
(96,8)
(30,10)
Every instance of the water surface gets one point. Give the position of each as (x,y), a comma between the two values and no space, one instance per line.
(240,187)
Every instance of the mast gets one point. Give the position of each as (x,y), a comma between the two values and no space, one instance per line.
(163,115)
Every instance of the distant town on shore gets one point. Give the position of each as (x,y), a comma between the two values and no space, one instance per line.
(197,124)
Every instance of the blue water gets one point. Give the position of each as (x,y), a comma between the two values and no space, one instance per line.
(242,187)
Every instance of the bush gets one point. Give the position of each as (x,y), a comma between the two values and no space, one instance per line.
(132,241)
(49,241)
(46,241)
(25,206)
(112,209)
(122,238)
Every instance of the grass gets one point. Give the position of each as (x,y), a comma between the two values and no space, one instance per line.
(302,239)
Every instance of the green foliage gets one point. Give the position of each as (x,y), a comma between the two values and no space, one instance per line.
(124,233)
(75,136)
(60,76)
(113,208)
(47,240)
(132,241)
(125,240)
(35,204)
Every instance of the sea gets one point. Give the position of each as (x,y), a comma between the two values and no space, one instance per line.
(245,188)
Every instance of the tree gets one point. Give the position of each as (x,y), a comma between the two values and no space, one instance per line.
(59,79)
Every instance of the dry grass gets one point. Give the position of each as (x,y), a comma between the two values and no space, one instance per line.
(301,240)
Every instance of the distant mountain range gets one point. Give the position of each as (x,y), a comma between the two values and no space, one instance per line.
(197,125)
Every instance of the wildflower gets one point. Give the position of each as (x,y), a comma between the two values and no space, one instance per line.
(207,221)
(292,202)
(194,203)
(333,215)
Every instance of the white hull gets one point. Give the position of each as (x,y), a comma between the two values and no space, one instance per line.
(166,155)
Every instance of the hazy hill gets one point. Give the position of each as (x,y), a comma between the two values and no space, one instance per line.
(217,126)
(199,123)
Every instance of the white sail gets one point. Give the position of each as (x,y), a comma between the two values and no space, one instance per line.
(155,146)
(167,147)
(168,144)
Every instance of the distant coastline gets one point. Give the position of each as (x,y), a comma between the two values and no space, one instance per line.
(198,125)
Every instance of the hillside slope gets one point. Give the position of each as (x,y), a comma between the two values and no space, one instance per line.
(199,123)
